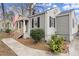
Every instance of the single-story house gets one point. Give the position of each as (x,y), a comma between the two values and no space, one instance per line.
(52,22)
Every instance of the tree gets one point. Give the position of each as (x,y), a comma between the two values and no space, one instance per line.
(31,8)
(9,15)
(3,11)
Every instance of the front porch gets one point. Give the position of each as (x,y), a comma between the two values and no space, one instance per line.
(23,27)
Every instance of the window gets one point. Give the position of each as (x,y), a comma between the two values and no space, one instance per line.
(32,23)
(38,22)
(51,22)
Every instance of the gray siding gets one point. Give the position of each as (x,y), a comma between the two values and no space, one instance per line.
(62,25)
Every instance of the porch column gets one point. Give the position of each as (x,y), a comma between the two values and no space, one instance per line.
(15,26)
(21,25)
(28,28)
(24,28)
(18,25)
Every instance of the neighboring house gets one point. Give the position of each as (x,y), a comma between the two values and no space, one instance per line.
(52,22)
(6,24)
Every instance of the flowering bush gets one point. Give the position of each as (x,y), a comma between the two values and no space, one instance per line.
(56,44)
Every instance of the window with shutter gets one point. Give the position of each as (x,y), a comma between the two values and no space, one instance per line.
(51,22)
(54,22)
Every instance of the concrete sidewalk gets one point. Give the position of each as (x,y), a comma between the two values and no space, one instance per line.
(22,50)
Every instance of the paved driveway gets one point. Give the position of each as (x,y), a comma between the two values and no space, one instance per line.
(74,47)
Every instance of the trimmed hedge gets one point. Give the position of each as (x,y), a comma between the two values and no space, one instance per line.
(37,34)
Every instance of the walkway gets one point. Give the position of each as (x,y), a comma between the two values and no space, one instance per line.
(22,50)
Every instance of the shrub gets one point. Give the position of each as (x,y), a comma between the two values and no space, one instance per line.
(37,34)
(56,43)
(8,30)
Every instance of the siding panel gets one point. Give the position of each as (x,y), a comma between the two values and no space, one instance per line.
(62,25)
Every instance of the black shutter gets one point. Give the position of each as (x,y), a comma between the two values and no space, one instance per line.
(49,21)
(32,23)
(54,22)
(38,22)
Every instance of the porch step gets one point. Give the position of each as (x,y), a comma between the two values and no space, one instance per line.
(17,34)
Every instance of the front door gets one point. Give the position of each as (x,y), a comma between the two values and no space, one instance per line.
(26,24)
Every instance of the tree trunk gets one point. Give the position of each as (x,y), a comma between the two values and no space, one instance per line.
(3,10)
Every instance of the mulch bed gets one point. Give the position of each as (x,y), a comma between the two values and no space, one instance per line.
(66,47)
(41,45)
(5,50)
(30,43)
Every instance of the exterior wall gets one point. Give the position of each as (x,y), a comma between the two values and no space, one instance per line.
(42,21)
(62,26)
(73,30)
(50,30)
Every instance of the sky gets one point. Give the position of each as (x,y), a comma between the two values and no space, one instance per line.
(44,6)
(41,7)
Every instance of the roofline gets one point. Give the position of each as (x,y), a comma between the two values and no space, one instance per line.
(66,14)
(62,15)
(42,12)
(36,15)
